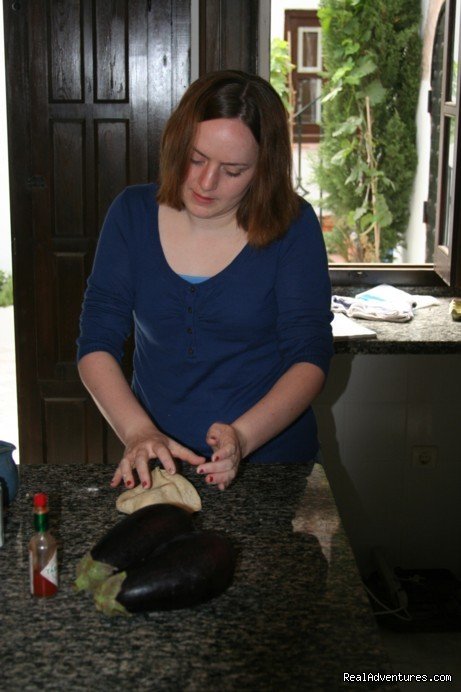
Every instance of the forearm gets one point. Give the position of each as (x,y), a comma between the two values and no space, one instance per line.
(104,379)
(288,398)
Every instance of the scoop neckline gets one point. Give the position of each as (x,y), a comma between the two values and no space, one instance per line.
(178,277)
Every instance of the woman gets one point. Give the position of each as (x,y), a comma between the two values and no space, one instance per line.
(223,270)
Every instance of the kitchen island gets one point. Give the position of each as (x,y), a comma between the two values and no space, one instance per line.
(295,618)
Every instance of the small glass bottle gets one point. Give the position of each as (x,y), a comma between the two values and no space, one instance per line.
(43,559)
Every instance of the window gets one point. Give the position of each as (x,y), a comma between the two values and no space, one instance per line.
(302,31)
(447,254)
(444,203)
(441,256)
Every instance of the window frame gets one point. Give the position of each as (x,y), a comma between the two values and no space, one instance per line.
(447,255)
(309,69)
(445,271)
(410,275)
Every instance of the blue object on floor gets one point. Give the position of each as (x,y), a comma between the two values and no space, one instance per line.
(9,476)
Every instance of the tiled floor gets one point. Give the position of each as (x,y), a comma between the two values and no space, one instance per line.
(431,654)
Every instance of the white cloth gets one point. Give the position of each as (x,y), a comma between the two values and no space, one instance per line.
(371,310)
(383,302)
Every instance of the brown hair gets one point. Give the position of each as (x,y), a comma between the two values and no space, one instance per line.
(270,203)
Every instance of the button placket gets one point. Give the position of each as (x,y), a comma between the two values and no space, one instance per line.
(191,297)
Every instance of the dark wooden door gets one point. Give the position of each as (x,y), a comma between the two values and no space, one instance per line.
(90,84)
(229,35)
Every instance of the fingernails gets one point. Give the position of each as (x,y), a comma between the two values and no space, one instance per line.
(144,484)
(200,470)
(129,483)
(216,458)
(210,479)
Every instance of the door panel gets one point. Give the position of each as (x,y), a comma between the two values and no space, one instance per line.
(90,85)
(229,35)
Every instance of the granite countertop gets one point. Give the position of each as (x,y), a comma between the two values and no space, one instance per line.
(430,331)
(295,618)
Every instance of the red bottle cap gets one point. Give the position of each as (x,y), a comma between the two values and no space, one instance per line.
(40,500)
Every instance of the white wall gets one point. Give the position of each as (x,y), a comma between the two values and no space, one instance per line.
(5,230)
(373,411)
(278,8)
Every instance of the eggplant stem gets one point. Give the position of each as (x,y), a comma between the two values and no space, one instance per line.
(105,595)
(91,573)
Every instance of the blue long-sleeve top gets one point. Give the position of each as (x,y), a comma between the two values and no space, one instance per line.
(207,352)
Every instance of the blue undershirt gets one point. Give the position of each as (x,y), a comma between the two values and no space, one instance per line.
(208,348)
(193,279)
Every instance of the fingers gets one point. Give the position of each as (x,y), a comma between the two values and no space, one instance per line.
(220,470)
(223,466)
(218,477)
(215,434)
(137,458)
(123,472)
(224,443)
(116,478)
(186,454)
(165,458)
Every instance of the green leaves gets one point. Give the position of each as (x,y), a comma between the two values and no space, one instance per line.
(372,56)
(349,126)
(350,47)
(375,92)
(343,71)
(281,66)
(340,156)
(352,72)
(6,289)
(365,66)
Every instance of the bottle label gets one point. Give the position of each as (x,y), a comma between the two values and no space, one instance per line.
(45,581)
(50,571)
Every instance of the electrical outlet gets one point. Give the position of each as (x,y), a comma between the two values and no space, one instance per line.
(425,456)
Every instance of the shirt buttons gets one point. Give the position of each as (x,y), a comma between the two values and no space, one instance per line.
(190,298)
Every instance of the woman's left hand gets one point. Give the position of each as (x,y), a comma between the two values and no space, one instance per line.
(227,454)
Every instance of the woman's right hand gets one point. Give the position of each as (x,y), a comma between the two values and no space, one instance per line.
(103,377)
(150,444)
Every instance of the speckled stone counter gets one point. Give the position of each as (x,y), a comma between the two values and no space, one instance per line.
(431,331)
(295,618)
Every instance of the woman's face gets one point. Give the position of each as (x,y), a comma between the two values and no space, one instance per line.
(222,166)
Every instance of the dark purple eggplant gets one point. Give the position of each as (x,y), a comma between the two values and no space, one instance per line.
(190,569)
(131,540)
